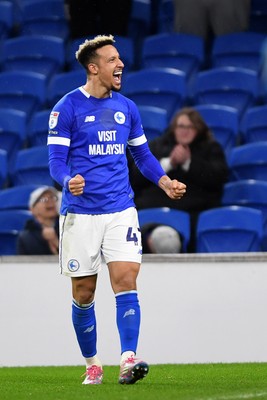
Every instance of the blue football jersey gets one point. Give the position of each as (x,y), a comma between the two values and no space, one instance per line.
(92,135)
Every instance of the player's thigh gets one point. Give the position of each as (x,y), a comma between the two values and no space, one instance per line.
(80,244)
(122,238)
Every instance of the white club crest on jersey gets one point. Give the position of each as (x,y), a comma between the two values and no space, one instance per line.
(119,117)
(53,119)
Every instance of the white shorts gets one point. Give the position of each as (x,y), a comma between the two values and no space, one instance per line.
(85,239)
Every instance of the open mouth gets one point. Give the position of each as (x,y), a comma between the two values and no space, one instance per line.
(117,76)
(52,208)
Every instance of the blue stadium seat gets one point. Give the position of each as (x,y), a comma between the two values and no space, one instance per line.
(12,132)
(254,125)
(139,26)
(179,220)
(223,122)
(174,50)
(24,91)
(63,83)
(238,49)
(248,161)
(71,48)
(11,222)
(140,15)
(38,128)
(6,19)
(125,46)
(154,121)
(17,197)
(230,229)
(228,86)
(45,17)
(159,87)
(31,167)
(248,193)
(3,168)
(38,53)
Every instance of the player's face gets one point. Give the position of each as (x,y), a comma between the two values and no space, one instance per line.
(110,67)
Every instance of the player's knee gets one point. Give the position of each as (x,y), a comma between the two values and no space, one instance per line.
(124,284)
(83,294)
(84,297)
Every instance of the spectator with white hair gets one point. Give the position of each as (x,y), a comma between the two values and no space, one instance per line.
(40,234)
(160,239)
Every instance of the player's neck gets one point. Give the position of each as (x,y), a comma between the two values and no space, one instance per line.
(97,91)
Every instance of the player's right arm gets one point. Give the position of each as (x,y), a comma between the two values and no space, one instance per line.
(59,137)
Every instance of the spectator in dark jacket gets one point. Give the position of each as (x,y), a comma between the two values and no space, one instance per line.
(40,234)
(187,152)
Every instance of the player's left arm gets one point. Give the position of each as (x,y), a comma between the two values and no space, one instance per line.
(146,162)
(150,167)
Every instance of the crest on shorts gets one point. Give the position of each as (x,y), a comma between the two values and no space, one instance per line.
(73,265)
(53,119)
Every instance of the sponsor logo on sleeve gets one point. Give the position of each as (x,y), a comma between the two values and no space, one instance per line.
(53,119)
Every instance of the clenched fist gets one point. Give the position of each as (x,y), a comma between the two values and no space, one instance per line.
(76,185)
(173,188)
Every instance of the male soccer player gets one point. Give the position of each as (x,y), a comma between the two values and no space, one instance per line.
(89,130)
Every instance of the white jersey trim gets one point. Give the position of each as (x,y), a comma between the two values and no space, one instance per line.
(59,140)
(88,94)
(84,92)
(137,141)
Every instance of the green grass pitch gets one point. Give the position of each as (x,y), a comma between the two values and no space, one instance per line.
(164,382)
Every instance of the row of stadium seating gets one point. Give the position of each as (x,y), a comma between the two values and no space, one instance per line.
(30,165)
(26,15)
(48,54)
(51,17)
(34,18)
(233,114)
(230,228)
(166,87)
(29,17)
(162,87)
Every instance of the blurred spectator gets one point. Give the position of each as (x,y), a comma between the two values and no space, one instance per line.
(91,17)
(160,239)
(211,17)
(187,152)
(40,234)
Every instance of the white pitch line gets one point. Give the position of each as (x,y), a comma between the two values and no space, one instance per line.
(238,396)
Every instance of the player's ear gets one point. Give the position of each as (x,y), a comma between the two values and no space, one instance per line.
(92,68)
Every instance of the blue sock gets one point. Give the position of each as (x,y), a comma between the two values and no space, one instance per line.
(128,319)
(84,322)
